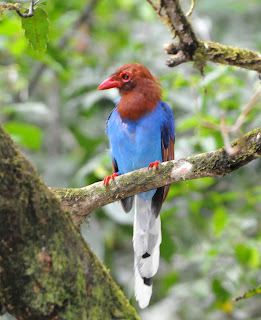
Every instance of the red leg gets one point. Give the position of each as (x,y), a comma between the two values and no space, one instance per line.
(154,164)
(108,178)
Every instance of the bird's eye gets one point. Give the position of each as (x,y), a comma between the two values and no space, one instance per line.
(125,76)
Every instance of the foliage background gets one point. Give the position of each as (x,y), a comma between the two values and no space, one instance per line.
(49,104)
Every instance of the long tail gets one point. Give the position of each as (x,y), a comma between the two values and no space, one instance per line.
(146,244)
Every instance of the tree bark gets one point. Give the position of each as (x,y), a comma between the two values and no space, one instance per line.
(47,270)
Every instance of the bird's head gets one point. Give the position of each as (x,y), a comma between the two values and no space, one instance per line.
(139,89)
(129,77)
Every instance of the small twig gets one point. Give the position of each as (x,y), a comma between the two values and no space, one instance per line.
(83,18)
(224,132)
(192,6)
(211,125)
(30,11)
(238,123)
(155,7)
(177,59)
(241,119)
(248,294)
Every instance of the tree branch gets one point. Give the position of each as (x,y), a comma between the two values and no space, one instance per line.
(82,201)
(193,49)
(217,53)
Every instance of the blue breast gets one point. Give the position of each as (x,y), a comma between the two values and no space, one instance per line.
(134,144)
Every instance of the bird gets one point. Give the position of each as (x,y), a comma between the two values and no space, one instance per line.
(141,132)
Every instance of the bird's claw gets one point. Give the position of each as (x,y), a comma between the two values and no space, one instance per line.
(108,178)
(154,164)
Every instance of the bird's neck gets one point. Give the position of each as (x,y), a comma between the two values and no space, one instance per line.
(135,104)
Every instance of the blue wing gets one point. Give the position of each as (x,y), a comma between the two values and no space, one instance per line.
(167,140)
(168,126)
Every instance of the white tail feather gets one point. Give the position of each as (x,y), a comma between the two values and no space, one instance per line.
(142,292)
(146,239)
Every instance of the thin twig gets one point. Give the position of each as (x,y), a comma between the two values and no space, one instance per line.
(177,59)
(83,18)
(242,117)
(224,132)
(211,125)
(248,294)
(154,7)
(240,120)
(192,6)
(30,11)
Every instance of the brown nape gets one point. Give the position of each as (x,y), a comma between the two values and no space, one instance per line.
(140,95)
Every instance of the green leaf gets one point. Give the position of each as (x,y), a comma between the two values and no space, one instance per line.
(243,253)
(27,135)
(36,30)
(247,255)
(219,220)
(219,290)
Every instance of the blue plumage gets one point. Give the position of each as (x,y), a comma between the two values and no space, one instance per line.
(135,144)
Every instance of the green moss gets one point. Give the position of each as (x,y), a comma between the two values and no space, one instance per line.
(233,56)
(200,58)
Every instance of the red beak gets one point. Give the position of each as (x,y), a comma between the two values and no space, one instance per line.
(108,84)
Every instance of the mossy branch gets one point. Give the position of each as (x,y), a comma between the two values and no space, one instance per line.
(9,7)
(218,53)
(82,201)
(191,48)
(47,270)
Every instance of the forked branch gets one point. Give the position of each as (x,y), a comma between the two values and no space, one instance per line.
(191,48)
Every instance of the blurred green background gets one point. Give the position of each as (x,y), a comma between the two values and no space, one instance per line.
(50,105)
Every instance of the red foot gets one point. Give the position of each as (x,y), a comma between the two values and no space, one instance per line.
(108,178)
(154,164)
